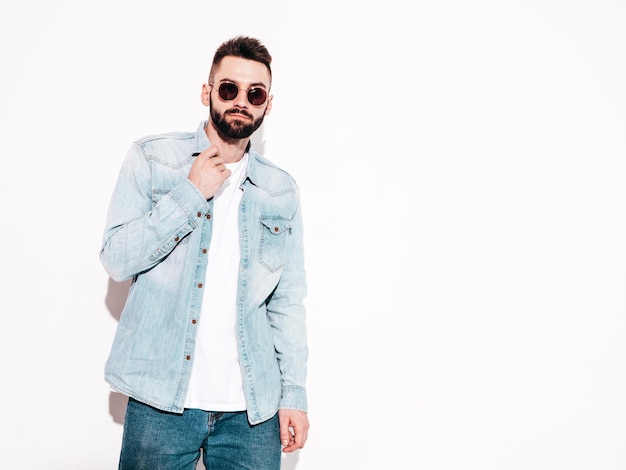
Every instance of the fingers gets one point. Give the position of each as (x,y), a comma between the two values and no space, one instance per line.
(211,152)
(285,433)
(210,157)
(294,427)
(208,171)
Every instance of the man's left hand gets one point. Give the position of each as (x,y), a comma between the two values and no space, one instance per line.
(294,429)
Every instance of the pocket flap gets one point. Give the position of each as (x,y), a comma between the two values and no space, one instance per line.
(276,225)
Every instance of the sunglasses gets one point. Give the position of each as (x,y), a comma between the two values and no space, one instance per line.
(228,91)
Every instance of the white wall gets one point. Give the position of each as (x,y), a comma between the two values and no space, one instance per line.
(462,167)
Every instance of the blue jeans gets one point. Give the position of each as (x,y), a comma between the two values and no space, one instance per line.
(158,440)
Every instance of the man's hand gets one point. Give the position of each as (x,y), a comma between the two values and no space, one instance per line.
(294,429)
(208,172)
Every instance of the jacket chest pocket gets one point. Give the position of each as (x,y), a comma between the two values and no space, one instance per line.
(273,242)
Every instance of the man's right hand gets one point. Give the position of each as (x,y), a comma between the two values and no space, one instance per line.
(208,172)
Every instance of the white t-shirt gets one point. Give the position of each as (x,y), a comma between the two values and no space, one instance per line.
(216,383)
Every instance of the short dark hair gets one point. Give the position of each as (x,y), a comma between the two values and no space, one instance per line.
(244,47)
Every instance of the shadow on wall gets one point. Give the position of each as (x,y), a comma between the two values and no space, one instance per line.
(115,299)
(258,144)
(288,461)
(117,292)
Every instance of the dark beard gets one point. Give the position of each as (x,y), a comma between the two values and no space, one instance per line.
(236,129)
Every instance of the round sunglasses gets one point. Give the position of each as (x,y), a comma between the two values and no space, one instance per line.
(228,91)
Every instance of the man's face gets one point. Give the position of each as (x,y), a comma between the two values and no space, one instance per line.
(237,118)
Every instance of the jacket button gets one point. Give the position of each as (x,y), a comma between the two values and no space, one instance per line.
(276,229)
(199,214)
(177,239)
(203,250)
(208,216)
(188,357)
(200,285)
(193,322)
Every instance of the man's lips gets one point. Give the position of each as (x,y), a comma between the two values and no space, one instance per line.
(239,114)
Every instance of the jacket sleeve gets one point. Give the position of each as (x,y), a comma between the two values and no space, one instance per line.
(287,316)
(140,231)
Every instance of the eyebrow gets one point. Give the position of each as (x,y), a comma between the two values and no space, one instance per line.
(251,85)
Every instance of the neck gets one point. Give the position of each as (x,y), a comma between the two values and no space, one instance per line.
(231,150)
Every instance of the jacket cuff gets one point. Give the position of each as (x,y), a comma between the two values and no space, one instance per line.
(293,398)
(190,199)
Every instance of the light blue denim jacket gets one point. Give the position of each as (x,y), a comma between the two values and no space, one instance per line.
(158,233)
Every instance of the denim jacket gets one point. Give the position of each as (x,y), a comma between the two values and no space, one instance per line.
(158,233)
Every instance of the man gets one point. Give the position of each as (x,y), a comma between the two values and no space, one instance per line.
(211,345)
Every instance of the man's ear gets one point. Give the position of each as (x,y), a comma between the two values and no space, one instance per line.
(269,105)
(204,94)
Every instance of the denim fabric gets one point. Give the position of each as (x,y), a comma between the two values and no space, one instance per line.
(158,232)
(161,440)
